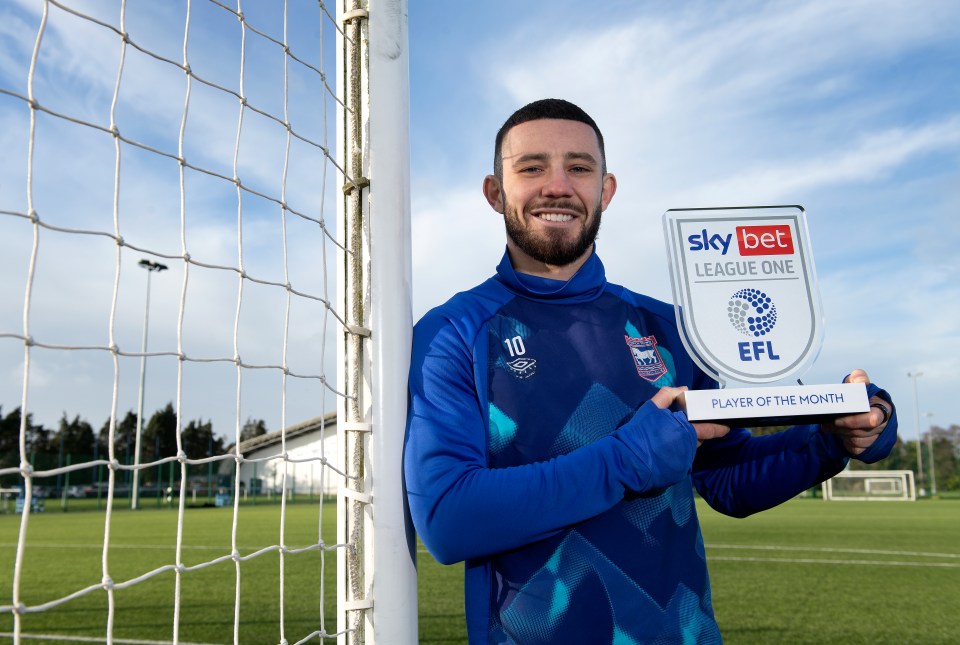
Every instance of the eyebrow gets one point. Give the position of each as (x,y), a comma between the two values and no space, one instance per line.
(542,156)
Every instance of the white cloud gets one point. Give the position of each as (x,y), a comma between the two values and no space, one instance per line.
(457,242)
(700,102)
(817,103)
(875,156)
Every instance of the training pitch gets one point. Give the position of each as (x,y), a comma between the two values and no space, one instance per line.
(807,572)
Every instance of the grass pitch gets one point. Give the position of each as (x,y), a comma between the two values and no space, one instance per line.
(65,554)
(806,572)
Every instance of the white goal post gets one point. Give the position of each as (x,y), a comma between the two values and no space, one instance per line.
(373,357)
(870,486)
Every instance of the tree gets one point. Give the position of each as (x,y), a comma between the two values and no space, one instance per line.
(37,439)
(124,438)
(160,436)
(253,428)
(199,441)
(9,438)
(74,437)
(946,456)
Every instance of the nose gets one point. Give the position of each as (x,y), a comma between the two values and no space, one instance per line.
(557,184)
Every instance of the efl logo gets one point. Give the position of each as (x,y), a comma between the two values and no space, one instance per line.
(765,240)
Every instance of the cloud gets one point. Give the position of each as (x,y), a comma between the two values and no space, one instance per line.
(845,107)
(87,291)
(457,242)
(876,156)
(849,109)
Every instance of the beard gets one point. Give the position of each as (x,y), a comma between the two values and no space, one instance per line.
(552,246)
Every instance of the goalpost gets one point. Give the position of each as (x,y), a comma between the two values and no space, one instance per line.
(258,153)
(870,485)
(374,358)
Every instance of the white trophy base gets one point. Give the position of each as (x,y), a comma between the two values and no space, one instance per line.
(776,405)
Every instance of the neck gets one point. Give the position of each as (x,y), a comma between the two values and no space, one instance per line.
(523,263)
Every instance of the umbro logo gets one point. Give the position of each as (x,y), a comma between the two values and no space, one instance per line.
(520,366)
(523,367)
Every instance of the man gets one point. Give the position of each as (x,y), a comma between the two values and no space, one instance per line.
(539,455)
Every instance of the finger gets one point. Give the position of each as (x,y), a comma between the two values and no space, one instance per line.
(856,445)
(877,417)
(869,422)
(707,431)
(861,421)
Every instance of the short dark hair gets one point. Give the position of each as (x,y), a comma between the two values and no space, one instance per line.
(544,109)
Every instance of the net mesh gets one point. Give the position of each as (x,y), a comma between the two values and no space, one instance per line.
(191,136)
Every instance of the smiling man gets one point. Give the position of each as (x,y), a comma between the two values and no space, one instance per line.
(544,444)
(554,173)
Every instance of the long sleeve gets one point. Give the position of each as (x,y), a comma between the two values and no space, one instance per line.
(464,509)
(534,453)
(741,474)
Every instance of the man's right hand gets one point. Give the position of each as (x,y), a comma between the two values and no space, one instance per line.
(673,397)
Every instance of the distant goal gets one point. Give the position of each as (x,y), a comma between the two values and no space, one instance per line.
(870,486)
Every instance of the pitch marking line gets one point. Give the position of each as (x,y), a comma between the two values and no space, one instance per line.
(98,639)
(159,547)
(891,563)
(824,549)
(718,558)
(790,560)
(888,563)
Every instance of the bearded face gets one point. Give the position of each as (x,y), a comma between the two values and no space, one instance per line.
(551,188)
(553,246)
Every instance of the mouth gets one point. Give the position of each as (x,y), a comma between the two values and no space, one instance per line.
(557,213)
(554,217)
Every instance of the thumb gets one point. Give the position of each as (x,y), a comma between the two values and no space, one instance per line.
(858,376)
(666,396)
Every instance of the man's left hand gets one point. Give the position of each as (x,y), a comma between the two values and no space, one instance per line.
(859,431)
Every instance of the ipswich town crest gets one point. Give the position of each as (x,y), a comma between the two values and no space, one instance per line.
(646,357)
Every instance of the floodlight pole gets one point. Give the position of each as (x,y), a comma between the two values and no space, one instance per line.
(916,409)
(933,468)
(135,488)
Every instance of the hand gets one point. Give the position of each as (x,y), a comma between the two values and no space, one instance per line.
(667,397)
(857,432)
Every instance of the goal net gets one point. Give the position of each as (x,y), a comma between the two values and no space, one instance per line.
(205,325)
(870,485)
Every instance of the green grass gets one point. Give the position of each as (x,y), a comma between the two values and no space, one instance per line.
(65,555)
(844,572)
(806,572)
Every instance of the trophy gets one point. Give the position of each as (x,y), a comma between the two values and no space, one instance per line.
(749,314)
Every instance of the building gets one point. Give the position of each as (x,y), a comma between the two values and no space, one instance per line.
(311,457)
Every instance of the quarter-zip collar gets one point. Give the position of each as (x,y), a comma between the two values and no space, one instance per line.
(587,283)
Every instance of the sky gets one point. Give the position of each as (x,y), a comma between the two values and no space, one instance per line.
(851,110)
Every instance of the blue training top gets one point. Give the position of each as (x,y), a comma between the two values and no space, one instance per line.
(534,454)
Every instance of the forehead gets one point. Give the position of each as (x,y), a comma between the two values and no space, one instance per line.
(552,137)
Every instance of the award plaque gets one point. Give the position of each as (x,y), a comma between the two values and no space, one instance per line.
(748,310)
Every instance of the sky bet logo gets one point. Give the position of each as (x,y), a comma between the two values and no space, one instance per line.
(774,239)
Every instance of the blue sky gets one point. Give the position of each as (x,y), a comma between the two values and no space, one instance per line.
(851,109)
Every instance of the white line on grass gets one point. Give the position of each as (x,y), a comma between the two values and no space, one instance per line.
(99,547)
(98,639)
(889,563)
(892,563)
(921,554)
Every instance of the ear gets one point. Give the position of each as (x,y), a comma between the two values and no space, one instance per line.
(493,193)
(607,190)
